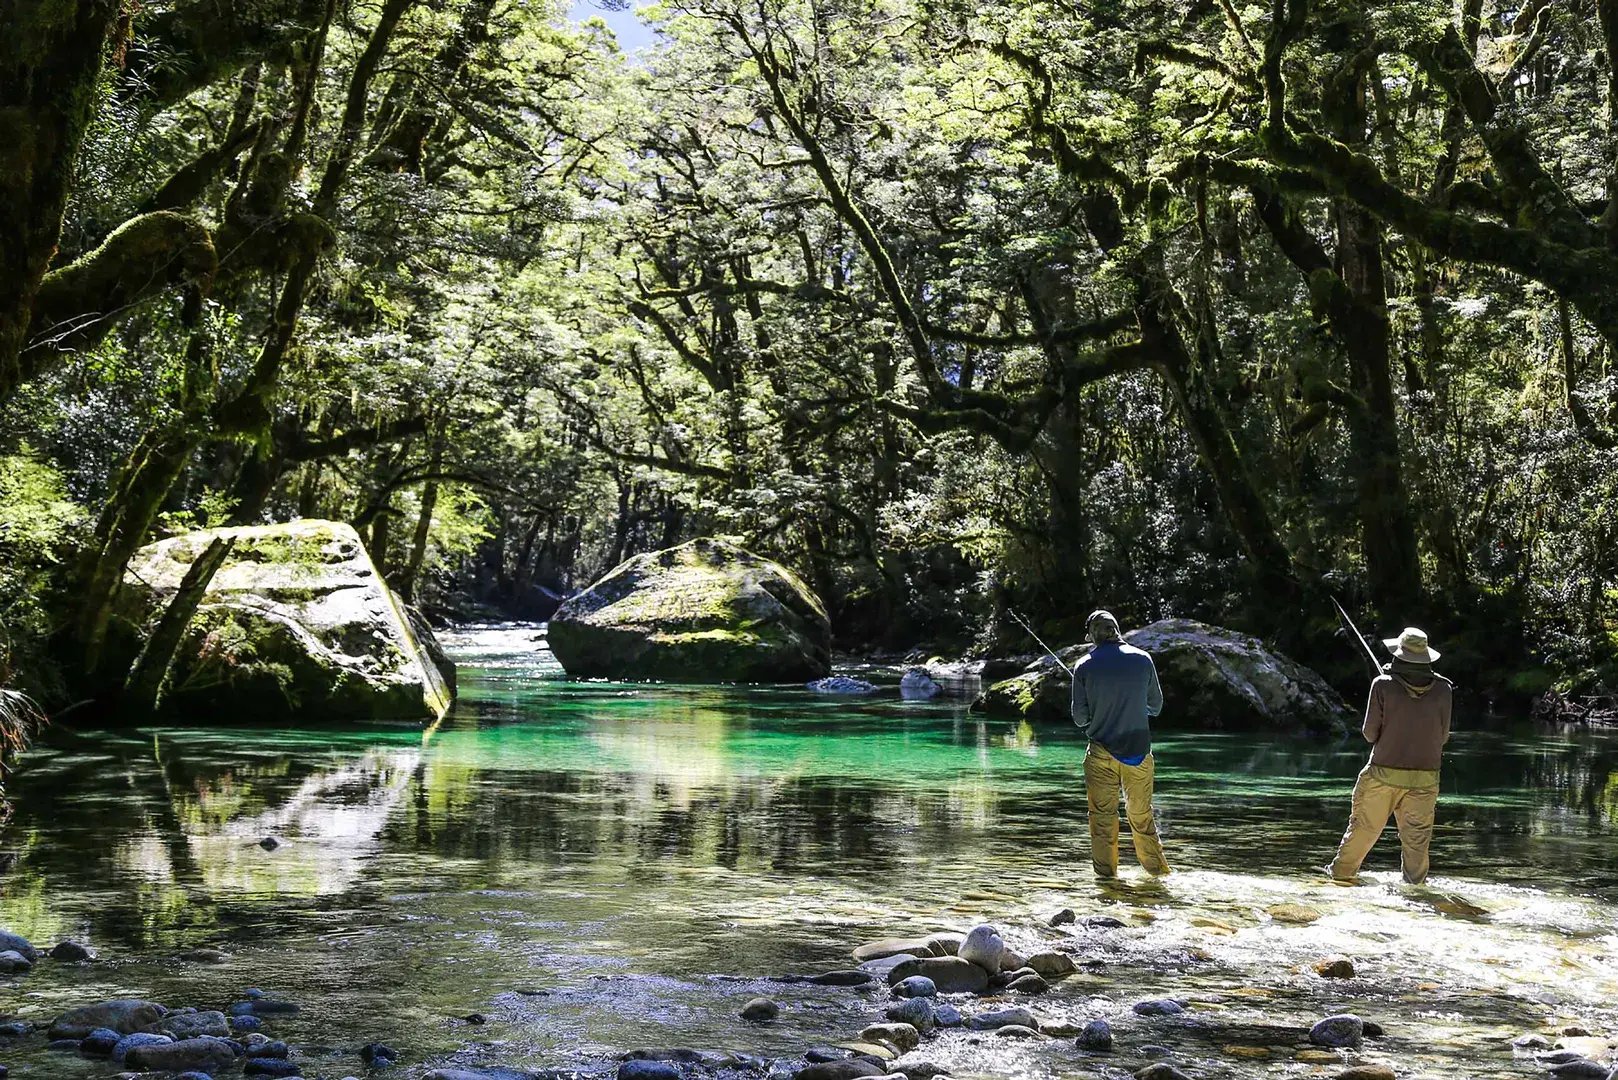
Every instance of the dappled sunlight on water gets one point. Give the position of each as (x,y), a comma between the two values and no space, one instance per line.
(594,867)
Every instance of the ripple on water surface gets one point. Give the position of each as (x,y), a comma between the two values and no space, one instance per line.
(588,868)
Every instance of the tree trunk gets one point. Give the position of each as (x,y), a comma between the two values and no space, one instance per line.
(144,688)
(51,57)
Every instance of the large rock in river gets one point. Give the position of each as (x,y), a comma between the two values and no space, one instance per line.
(1212,678)
(296,624)
(706,611)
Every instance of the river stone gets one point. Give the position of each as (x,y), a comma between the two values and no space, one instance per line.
(890,947)
(641,1069)
(1032,983)
(919,1070)
(13,962)
(1011,959)
(296,623)
(987,1021)
(1229,678)
(706,611)
(1367,1072)
(71,952)
(851,1069)
(917,685)
(760,1010)
(842,977)
(983,947)
(951,974)
(136,1040)
(917,986)
(1158,1007)
(204,1054)
(1337,967)
(1294,914)
(481,1074)
(916,1011)
(16,943)
(1160,1071)
(1531,1042)
(1584,1069)
(1065,917)
(270,1067)
(1052,965)
(123,1015)
(1338,1031)
(191,1025)
(99,1043)
(946,943)
(904,1036)
(1097,1036)
(842,684)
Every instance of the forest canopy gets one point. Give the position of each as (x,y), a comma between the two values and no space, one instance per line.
(1215,310)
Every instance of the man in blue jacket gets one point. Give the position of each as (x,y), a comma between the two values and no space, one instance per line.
(1115,693)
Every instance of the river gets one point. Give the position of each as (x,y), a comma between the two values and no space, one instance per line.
(588,868)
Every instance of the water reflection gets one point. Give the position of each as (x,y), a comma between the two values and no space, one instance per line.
(629,849)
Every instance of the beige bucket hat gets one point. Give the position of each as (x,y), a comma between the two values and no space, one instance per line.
(1411,645)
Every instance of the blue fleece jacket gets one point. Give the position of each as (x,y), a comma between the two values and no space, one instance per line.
(1115,692)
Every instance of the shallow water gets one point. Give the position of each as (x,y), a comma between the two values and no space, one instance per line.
(599,867)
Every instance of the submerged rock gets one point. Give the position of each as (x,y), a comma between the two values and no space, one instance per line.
(915,1011)
(13,962)
(951,974)
(1225,678)
(1096,1036)
(1158,1007)
(1030,983)
(297,622)
(123,1015)
(1336,967)
(848,1069)
(1338,1031)
(903,1036)
(704,611)
(998,1018)
(917,685)
(204,1054)
(1160,1071)
(72,952)
(1065,917)
(760,1010)
(1052,965)
(1367,1072)
(842,684)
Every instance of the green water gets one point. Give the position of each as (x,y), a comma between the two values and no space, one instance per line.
(598,867)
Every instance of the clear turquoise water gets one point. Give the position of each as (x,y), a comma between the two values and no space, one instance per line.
(599,867)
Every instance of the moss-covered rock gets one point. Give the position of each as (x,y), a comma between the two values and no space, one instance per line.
(296,625)
(706,611)
(1212,678)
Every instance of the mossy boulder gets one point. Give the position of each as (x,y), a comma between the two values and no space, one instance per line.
(296,625)
(706,611)
(1212,678)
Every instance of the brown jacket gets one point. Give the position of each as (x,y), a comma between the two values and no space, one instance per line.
(1407,732)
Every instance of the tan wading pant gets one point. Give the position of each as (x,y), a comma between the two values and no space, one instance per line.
(1410,796)
(1104,777)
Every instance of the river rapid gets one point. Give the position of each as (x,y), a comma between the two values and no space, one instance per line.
(562,872)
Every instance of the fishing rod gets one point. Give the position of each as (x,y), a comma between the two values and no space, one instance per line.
(1024,624)
(1365,650)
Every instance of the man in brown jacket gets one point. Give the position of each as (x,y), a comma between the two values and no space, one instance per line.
(1407,724)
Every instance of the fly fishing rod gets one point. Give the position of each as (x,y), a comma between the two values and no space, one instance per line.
(1024,624)
(1365,651)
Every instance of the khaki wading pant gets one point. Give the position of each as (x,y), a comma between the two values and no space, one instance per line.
(1104,777)
(1413,804)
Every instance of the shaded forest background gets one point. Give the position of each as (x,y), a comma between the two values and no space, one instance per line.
(1213,309)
